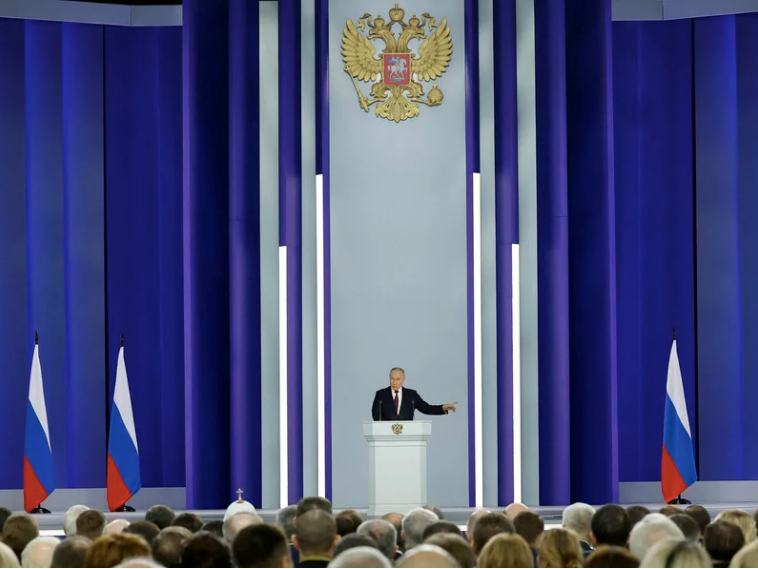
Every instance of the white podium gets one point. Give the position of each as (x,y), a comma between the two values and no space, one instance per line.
(396,465)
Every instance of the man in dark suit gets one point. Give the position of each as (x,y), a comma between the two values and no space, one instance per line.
(397,403)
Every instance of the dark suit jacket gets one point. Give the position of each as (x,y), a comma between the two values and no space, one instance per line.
(314,562)
(383,408)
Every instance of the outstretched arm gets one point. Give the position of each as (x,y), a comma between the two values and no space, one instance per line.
(426,409)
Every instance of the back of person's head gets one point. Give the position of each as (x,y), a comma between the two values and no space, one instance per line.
(90,524)
(722,540)
(578,518)
(7,557)
(652,529)
(39,552)
(486,527)
(559,548)
(204,549)
(700,514)
(746,557)
(670,510)
(160,515)
(232,526)
(147,530)
(610,526)
(513,510)
(397,522)
(427,556)
(472,521)
(383,533)
(441,527)
(69,519)
(611,557)
(506,550)
(5,513)
(414,524)
(261,545)
(18,531)
(688,525)
(285,519)
(111,550)
(741,519)
(636,514)
(676,553)
(216,527)
(456,546)
(315,534)
(71,552)
(116,526)
(360,557)
(188,520)
(309,503)
(168,546)
(347,522)
(529,526)
(354,540)
(435,510)
(139,563)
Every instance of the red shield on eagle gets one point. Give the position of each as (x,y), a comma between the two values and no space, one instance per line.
(397,69)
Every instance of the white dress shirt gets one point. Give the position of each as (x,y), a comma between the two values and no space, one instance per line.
(399,398)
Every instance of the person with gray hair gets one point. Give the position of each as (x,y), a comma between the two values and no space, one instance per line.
(238,522)
(676,553)
(427,555)
(69,519)
(414,524)
(361,557)
(384,535)
(71,552)
(285,519)
(7,557)
(652,529)
(39,552)
(577,518)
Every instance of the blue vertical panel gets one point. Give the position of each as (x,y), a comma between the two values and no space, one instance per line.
(718,250)
(592,254)
(45,251)
(169,157)
(14,362)
(206,250)
(244,249)
(83,186)
(747,94)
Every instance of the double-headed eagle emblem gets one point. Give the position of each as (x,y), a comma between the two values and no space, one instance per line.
(397,70)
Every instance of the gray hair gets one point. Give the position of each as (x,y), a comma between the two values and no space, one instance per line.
(424,551)
(649,531)
(7,557)
(578,518)
(39,552)
(384,533)
(285,519)
(414,524)
(361,557)
(236,523)
(69,519)
(676,553)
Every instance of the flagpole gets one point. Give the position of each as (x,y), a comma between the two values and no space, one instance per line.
(39,509)
(125,507)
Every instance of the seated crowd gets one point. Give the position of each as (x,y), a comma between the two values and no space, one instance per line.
(310,534)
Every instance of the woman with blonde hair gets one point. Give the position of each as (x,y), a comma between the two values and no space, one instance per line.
(559,548)
(747,556)
(674,552)
(7,557)
(506,550)
(112,550)
(742,520)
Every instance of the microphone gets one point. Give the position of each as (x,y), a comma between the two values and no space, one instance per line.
(380,410)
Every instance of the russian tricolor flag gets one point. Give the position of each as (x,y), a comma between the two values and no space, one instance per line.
(678,463)
(39,481)
(123,454)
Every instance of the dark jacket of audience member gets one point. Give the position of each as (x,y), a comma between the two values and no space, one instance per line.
(722,540)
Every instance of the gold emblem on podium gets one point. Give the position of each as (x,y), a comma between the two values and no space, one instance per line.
(397,429)
(397,71)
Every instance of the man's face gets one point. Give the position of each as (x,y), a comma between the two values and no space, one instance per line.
(396,379)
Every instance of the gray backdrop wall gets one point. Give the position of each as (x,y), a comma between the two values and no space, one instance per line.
(398,262)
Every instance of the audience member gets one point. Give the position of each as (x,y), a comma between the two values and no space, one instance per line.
(261,545)
(204,549)
(701,516)
(578,518)
(162,516)
(486,527)
(315,538)
(216,527)
(529,526)
(414,524)
(383,533)
(611,557)
(397,521)
(610,526)
(559,548)
(232,526)
(8,557)
(360,557)
(636,513)
(441,527)
(670,510)
(427,556)
(111,550)
(676,553)
(506,550)
(456,546)
(688,525)
(69,519)
(71,552)
(472,522)
(146,530)
(652,529)
(116,526)
(285,519)
(747,556)
(353,540)
(138,563)
(39,552)
(5,513)
(347,522)
(18,531)
(435,510)
(168,546)
(90,524)
(722,540)
(188,520)
(513,510)
(309,503)
(742,520)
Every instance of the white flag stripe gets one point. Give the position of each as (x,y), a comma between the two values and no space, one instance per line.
(37,394)
(122,398)
(675,388)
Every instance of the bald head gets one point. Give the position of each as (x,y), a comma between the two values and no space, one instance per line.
(427,556)
(514,510)
(116,526)
(39,552)
(315,534)
(238,522)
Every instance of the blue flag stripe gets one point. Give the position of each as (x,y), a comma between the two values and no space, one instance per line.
(37,450)
(124,454)
(679,444)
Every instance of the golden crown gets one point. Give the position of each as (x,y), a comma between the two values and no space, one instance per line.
(397,14)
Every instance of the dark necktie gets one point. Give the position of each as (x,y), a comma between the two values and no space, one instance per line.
(397,403)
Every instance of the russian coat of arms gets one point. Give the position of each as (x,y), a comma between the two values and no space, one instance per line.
(397,71)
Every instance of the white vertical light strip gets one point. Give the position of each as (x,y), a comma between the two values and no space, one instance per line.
(320,370)
(478,455)
(283,463)
(516,335)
